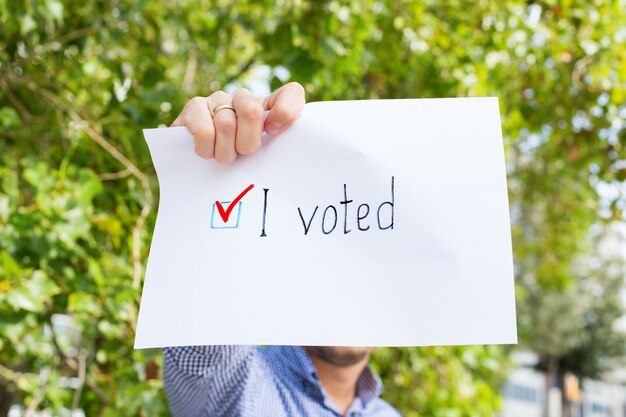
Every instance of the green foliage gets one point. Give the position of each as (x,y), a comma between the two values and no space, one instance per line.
(442,381)
(78,81)
(576,330)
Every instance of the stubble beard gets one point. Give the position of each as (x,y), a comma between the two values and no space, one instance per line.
(339,356)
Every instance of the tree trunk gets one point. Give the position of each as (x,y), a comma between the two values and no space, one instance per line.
(6,400)
(552,375)
(567,412)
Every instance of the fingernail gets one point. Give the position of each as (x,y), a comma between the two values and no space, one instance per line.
(272,128)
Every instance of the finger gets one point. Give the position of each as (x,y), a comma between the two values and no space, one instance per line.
(249,111)
(197,118)
(285,105)
(177,122)
(225,122)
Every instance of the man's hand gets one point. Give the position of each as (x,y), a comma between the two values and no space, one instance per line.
(230,133)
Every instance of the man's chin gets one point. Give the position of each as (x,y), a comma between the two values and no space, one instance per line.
(340,355)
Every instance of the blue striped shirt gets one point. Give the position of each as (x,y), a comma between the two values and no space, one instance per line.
(277,381)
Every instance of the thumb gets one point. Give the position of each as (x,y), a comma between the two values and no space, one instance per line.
(284,105)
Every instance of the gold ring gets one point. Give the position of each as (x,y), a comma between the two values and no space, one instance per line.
(221,107)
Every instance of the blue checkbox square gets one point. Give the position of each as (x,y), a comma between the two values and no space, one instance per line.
(233,219)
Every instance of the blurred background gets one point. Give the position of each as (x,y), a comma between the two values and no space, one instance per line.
(78,193)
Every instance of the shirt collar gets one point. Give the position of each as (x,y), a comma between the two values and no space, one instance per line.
(368,386)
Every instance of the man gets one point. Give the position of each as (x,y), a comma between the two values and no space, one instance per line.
(276,381)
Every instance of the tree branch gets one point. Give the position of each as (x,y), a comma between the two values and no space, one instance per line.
(39,396)
(190,70)
(128,165)
(8,374)
(82,360)
(72,364)
(242,71)
(579,69)
(110,176)
(63,39)
(19,106)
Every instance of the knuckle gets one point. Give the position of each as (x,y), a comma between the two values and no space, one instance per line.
(225,158)
(249,146)
(227,124)
(296,86)
(218,97)
(190,122)
(251,111)
(200,130)
(241,90)
(283,113)
(203,152)
(197,101)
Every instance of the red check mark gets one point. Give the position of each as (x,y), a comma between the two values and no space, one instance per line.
(225,214)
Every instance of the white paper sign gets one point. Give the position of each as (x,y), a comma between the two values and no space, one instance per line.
(368,223)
